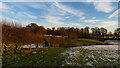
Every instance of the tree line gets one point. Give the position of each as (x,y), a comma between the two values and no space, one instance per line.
(34,34)
(96,33)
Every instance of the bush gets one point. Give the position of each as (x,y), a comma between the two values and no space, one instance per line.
(67,43)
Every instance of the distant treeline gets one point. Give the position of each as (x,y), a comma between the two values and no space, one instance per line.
(34,34)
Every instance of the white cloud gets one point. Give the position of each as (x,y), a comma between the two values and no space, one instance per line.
(82,18)
(68,9)
(72,25)
(104,6)
(55,11)
(91,21)
(101,23)
(59,0)
(115,14)
(25,15)
(67,17)
(27,0)
(54,20)
(47,6)
(3,7)
(93,17)
(30,16)
(88,0)
(106,0)
(33,17)
(40,5)
(57,22)
(107,23)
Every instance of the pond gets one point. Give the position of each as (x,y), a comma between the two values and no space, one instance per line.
(113,41)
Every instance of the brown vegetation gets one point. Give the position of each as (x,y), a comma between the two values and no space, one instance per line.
(62,36)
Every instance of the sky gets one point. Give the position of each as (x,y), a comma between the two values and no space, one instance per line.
(63,14)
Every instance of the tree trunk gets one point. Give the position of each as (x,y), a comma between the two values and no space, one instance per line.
(37,46)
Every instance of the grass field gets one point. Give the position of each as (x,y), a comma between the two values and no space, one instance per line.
(49,57)
(58,56)
(53,57)
(85,42)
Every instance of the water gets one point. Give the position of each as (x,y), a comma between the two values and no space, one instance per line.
(113,41)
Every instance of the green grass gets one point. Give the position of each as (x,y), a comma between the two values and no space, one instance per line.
(50,57)
(53,57)
(85,42)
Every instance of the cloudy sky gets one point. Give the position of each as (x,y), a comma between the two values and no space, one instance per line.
(63,14)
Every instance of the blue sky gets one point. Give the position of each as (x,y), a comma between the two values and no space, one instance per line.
(63,14)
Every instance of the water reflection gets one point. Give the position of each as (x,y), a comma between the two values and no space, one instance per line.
(113,41)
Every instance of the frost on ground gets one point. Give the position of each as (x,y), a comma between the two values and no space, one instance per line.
(92,56)
(100,47)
